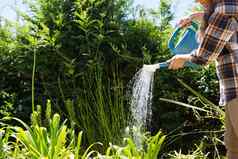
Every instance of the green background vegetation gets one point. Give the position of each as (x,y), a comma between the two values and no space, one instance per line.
(75,58)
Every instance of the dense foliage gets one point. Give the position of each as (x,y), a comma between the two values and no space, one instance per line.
(80,54)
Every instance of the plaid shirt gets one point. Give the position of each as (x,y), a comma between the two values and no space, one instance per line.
(220,44)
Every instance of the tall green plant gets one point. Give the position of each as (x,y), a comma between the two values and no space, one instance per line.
(100,107)
(41,142)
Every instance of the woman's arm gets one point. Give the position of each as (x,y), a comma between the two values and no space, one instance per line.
(217,34)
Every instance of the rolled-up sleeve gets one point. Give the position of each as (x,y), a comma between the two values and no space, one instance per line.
(217,34)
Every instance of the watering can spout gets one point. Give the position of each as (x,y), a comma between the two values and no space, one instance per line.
(154,67)
(165,65)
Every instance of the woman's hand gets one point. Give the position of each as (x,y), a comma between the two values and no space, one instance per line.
(188,20)
(178,61)
(185,22)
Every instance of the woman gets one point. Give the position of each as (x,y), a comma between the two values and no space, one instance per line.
(219,42)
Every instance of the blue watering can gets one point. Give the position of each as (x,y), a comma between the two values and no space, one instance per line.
(185,45)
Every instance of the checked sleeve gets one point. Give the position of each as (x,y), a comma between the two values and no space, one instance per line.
(217,34)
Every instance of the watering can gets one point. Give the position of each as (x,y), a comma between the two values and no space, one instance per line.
(185,45)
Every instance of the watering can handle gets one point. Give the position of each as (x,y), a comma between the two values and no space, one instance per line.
(165,65)
(172,40)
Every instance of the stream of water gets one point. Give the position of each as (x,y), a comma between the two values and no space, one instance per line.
(141,87)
